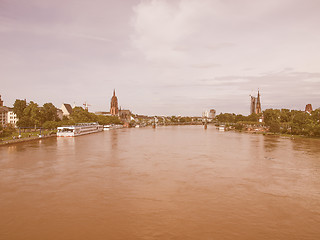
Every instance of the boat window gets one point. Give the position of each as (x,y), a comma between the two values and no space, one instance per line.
(67,130)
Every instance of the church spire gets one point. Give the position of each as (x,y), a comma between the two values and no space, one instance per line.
(114,104)
(258,106)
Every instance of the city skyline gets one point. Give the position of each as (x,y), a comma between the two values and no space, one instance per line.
(162,57)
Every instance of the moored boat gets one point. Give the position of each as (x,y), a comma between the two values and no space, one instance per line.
(79,129)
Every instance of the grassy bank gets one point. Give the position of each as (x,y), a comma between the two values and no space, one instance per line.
(26,135)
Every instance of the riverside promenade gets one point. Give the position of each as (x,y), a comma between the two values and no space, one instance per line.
(25,139)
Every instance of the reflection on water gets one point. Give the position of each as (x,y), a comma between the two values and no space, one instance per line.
(165,183)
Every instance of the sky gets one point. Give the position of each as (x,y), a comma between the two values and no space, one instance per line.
(163,57)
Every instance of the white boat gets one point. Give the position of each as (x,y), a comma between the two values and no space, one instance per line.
(106,127)
(221,128)
(80,129)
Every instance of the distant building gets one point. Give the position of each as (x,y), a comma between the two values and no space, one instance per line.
(7,116)
(12,117)
(125,115)
(103,113)
(114,111)
(205,114)
(3,115)
(308,108)
(66,109)
(258,106)
(1,102)
(59,113)
(212,113)
(255,104)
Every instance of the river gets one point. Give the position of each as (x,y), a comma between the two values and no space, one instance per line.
(180,182)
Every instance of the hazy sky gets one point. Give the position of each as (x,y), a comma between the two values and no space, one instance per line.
(174,57)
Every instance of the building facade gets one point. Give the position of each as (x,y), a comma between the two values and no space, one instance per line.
(212,113)
(3,115)
(66,110)
(12,117)
(308,108)
(7,116)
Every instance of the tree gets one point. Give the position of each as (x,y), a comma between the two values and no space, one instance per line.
(25,122)
(50,125)
(285,115)
(271,116)
(274,126)
(49,112)
(18,107)
(226,117)
(253,118)
(80,115)
(33,112)
(106,120)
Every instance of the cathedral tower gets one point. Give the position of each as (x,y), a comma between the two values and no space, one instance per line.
(114,111)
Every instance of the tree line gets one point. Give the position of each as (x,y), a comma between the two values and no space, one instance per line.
(284,121)
(33,116)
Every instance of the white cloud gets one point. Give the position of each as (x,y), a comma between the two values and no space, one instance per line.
(163,27)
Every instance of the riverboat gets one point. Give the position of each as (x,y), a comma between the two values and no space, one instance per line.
(106,127)
(221,128)
(79,129)
(112,126)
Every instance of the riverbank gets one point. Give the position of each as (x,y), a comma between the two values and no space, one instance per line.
(25,139)
(284,135)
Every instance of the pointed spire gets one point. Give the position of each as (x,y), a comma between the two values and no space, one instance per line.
(114,92)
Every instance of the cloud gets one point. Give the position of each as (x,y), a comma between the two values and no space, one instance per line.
(164,30)
(162,56)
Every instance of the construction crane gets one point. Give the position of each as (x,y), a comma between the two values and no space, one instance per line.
(86,106)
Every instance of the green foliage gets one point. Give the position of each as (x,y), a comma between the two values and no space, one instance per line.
(233,118)
(80,115)
(238,126)
(271,116)
(279,121)
(32,111)
(293,122)
(31,115)
(274,126)
(7,131)
(49,112)
(106,120)
(18,107)
(226,117)
(50,125)
(25,121)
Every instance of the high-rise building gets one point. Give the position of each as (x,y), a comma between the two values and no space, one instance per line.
(253,105)
(1,102)
(114,110)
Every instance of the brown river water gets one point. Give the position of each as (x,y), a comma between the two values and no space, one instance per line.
(180,182)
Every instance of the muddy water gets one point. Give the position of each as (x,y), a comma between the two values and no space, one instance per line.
(164,183)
